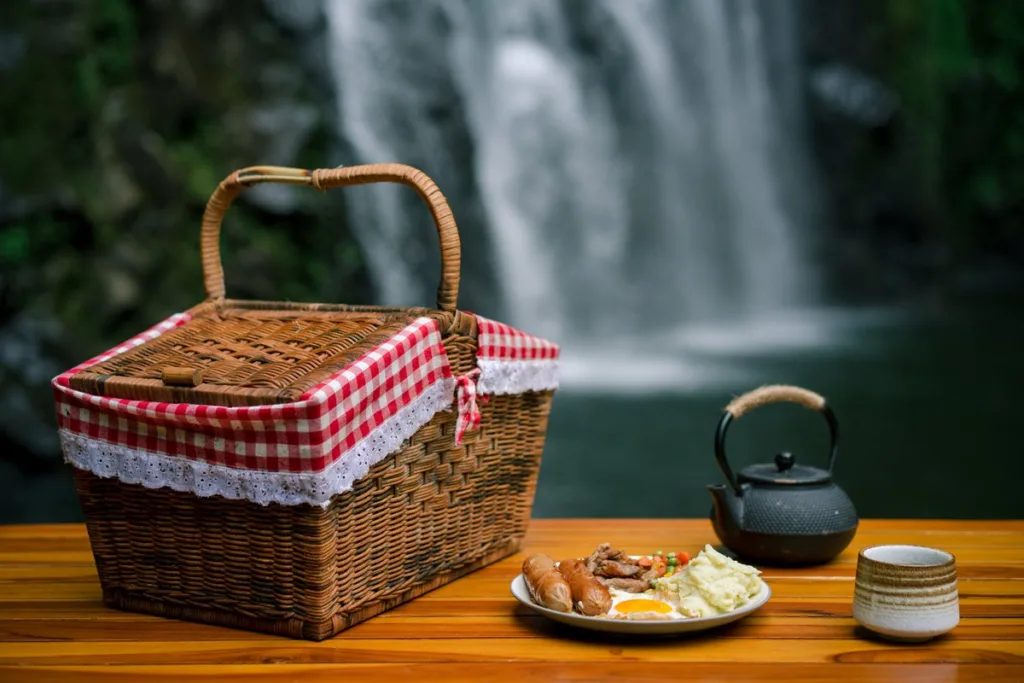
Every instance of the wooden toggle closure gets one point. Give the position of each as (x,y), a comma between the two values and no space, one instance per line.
(182,377)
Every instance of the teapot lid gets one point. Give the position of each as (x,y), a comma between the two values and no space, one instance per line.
(784,472)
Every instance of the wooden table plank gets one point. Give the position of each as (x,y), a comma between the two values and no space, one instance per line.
(53,626)
(500,626)
(703,648)
(516,672)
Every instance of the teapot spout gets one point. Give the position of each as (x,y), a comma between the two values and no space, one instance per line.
(727,513)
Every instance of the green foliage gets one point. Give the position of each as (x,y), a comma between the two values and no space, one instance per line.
(111,50)
(931,54)
(14,245)
(956,65)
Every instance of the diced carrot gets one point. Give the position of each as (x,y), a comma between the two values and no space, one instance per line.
(644,562)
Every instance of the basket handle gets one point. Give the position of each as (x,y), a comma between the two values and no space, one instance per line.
(323,179)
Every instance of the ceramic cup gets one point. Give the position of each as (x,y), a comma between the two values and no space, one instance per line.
(906,592)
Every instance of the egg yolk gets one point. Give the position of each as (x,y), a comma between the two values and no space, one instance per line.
(629,606)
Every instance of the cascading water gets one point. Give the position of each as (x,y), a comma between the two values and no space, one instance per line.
(632,170)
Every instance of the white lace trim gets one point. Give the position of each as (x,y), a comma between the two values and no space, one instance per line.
(516,376)
(287,488)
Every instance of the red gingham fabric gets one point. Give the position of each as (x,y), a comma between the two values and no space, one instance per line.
(498,341)
(305,436)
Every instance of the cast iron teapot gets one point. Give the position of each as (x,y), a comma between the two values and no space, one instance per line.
(781,513)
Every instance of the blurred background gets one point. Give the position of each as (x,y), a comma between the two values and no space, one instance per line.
(694,197)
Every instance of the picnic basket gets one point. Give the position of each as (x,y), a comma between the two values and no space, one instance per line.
(298,468)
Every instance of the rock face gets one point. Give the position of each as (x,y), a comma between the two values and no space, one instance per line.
(122,132)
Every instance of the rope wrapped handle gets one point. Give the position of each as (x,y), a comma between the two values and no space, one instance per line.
(323,179)
(775,393)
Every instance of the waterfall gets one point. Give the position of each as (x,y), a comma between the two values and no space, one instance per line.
(628,167)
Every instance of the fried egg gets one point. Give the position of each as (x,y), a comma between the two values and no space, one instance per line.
(640,606)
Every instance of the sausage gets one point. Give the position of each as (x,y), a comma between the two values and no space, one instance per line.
(588,594)
(547,586)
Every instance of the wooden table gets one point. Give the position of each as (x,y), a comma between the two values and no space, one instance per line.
(54,628)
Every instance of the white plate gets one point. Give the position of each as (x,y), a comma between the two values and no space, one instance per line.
(639,627)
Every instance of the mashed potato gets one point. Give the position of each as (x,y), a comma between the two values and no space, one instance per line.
(710,584)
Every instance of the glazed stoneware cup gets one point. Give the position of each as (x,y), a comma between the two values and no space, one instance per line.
(906,592)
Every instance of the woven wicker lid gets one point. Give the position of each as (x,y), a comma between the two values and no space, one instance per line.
(234,355)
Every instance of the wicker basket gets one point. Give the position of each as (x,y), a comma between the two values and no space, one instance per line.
(298,468)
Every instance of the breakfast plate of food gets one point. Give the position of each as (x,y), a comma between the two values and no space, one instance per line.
(656,594)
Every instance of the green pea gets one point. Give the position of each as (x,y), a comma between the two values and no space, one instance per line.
(672,554)
(658,553)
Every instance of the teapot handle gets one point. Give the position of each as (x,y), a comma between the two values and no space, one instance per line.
(761,396)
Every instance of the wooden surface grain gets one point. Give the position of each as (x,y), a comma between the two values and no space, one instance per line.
(53,626)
